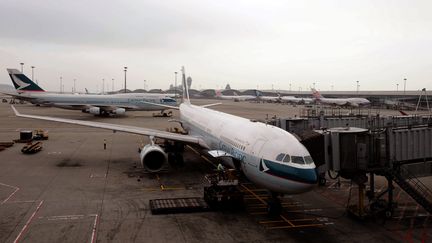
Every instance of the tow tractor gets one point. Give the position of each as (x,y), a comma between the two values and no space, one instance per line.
(223,190)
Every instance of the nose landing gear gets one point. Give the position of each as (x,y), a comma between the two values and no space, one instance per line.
(274,205)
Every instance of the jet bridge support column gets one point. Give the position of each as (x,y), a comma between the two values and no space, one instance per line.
(390,203)
(371,192)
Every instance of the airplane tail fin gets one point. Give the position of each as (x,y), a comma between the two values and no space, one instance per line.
(218,93)
(316,94)
(403,113)
(185,87)
(22,82)
(258,93)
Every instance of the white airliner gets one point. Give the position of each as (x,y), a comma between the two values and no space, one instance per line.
(267,155)
(356,102)
(266,98)
(296,100)
(234,97)
(97,104)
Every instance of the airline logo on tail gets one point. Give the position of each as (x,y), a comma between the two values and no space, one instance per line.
(22,82)
(316,94)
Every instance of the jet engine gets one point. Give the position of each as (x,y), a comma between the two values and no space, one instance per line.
(153,158)
(119,111)
(94,110)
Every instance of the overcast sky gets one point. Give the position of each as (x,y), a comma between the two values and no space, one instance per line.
(247,44)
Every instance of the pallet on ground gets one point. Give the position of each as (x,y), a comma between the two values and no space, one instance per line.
(178,205)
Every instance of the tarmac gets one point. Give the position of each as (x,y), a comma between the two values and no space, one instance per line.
(74,190)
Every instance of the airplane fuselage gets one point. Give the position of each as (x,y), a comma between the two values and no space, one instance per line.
(344,101)
(81,101)
(256,146)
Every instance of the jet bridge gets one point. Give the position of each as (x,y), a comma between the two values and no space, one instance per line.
(353,153)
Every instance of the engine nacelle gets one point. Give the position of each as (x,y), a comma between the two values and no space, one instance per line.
(119,111)
(153,158)
(94,110)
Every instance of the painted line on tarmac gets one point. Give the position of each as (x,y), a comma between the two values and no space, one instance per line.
(94,235)
(97,175)
(13,193)
(65,217)
(28,222)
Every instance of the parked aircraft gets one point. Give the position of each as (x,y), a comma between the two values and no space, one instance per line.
(95,104)
(267,155)
(296,100)
(265,98)
(339,101)
(235,97)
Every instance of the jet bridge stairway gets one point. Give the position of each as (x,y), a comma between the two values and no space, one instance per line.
(413,187)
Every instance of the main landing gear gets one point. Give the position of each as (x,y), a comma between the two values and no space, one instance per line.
(163,114)
(175,152)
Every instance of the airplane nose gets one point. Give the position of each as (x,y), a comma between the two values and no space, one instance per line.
(308,176)
(303,175)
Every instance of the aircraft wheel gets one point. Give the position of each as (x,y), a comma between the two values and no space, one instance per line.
(322,181)
(171,158)
(179,158)
(389,213)
(274,208)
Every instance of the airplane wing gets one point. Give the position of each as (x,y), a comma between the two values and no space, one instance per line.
(122,128)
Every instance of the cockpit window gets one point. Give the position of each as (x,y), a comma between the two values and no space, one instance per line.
(308,160)
(297,160)
(280,157)
(287,158)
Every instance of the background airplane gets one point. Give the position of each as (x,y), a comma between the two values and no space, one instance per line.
(266,98)
(295,100)
(113,104)
(267,155)
(356,102)
(234,97)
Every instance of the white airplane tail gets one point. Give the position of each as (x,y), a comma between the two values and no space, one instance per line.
(316,94)
(185,87)
(22,82)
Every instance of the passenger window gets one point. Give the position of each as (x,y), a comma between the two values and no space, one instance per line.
(308,160)
(280,157)
(287,158)
(297,160)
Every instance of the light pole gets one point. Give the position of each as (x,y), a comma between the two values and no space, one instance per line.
(405,85)
(22,67)
(103,86)
(125,70)
(144,84)
(397,87)
(112,87)
(32,67)
(290,87)
(175,85)
(358,86)
(74,85)
(61,84)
